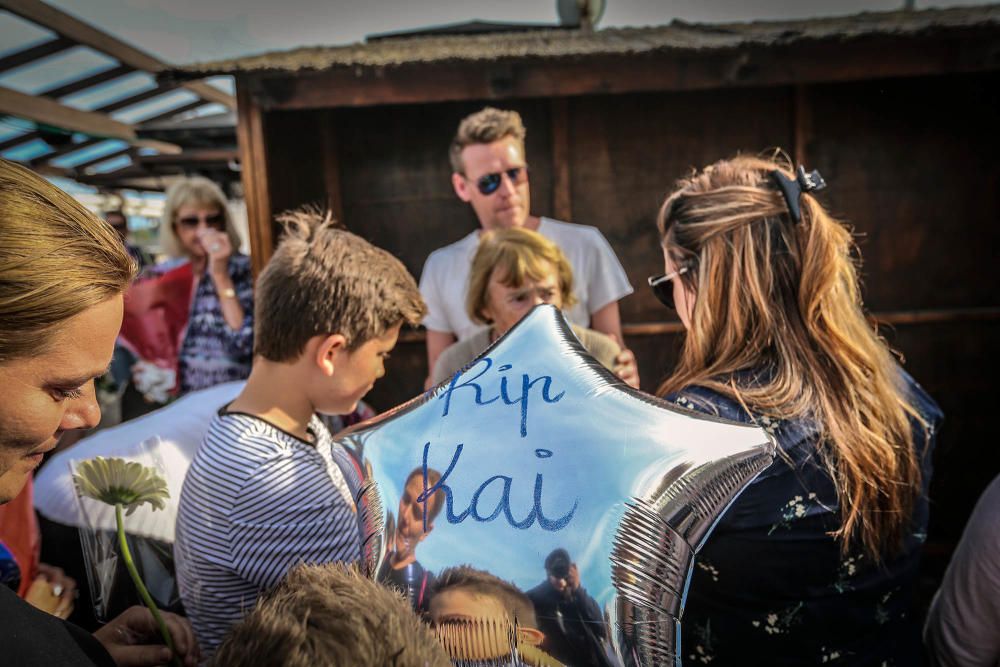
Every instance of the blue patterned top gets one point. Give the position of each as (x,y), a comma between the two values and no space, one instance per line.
(770,585)
(211,352)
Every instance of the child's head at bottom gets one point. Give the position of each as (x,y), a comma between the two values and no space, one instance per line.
(330,305)
(330,615)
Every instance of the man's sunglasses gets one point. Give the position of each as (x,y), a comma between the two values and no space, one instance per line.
(215,220)
(663,288)
(490,183)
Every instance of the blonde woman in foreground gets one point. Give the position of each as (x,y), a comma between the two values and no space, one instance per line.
(62,275)
(816,561)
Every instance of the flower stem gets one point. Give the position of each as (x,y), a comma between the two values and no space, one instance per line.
(141,587)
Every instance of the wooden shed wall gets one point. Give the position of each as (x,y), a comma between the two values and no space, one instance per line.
(910,162)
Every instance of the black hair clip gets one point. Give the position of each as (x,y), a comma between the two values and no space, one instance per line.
(792,190)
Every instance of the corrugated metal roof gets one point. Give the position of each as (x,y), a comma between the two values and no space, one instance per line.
(559,43)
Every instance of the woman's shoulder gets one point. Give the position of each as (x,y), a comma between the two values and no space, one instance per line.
(699,398)
(166,266)
(459,354)
(792,435)
(921,401)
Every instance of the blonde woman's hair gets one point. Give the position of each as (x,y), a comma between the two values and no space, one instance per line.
(485,127)
(330,615)
(193,191)
(782,297)
(323,280)
(56,260)
(518,254)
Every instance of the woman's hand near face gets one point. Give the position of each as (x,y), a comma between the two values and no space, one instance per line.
(218,249)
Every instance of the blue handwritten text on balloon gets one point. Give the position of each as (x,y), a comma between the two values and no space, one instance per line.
(503,504)
(526,384)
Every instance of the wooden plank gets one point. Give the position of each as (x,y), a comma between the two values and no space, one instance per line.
(950,52)
(562,206)
(48,112)
(66,150)
(82,167)
(145,95)
(18,140)
(192,156)
(82,84)
(164,147)
(253,157)
(331,170)
(893,318)
(945,316)
(802,125)
(43,50)
(63,91)
(184,108)
(82,33)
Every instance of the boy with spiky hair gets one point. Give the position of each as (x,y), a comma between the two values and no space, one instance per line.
(266,489)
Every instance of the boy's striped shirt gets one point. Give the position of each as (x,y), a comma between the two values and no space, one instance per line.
(256,502)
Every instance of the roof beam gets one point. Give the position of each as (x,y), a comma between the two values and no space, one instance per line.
(103,158)
(82,33)
(63,91)
(135,99)
(82,84)
(65,150)
(18,140)
(34,53)
(194,155)
(49,112)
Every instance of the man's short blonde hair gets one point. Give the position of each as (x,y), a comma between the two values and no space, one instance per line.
(323,280)
(330,615)
(518,254)
(485,127)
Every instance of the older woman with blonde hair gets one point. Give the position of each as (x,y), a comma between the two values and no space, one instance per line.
(197,228)
(514,270)
(62,275)
(815,562)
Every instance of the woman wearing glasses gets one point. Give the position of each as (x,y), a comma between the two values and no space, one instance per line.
(197,231)
(816,560)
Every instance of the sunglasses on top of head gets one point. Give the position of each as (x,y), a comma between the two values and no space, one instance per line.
(490,183)
(663,288)
(214,220)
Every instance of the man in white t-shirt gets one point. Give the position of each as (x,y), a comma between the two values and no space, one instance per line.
(491,174)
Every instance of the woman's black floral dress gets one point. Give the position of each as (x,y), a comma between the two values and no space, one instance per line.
(770,587)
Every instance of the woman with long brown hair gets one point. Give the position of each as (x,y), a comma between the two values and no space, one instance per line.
(815,562)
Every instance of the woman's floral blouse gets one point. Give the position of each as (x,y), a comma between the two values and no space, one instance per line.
(212,353)
(771,587)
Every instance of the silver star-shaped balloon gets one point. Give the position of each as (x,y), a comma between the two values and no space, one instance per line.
(535,447)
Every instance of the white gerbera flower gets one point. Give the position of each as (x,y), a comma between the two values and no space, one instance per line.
(116,481)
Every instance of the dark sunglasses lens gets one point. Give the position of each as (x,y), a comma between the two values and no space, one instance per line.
(489,183)
(216,220)
(664,292)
